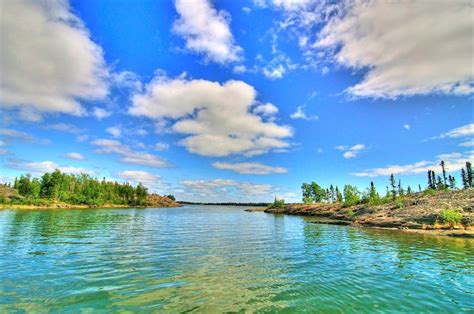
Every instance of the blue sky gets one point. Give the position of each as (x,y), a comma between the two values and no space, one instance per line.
(233,100)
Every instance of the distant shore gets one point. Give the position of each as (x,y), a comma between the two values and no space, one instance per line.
(418,213)
(72,206)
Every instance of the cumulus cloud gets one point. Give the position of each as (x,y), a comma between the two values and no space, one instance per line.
(128,156)
(149,180)
(351,151)
(454,161)
(75,156)
(249,168)
(160,146)
(39,40)
(100,113)
(115,131)
(206,31)
(407,126)
(300,114)
(407,47)
(216,118)
(49,166)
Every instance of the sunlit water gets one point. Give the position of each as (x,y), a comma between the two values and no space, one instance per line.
(214,259)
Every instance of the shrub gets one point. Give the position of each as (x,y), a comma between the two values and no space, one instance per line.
(278,203)
(451,216)
(350,213)
(399,202)
(429,192)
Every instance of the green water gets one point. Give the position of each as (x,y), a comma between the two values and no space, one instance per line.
(214,259)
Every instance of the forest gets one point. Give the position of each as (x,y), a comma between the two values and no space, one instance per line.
(81,189)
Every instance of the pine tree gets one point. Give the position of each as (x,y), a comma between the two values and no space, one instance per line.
(452,182)
(401,192)
(443,169)
(338,195)
(419,188)
(439,183)
(392,183)
(469,174)
(430,183)
(332,194)
(433,180)
(464,179)
(409,191)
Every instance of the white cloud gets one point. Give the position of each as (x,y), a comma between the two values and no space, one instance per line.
(468,143)
(227,190)
(274,72)
(161,146)
(115,131)
(39,40)
(454,162)
(75,156)
(11,134)
(300,114)
(128,156)
(352,151)
(64,127)
(265,109)
(149,180)
(249,168)
(462,131)
(239,69)
(408,47)
(407,126)
(246,10)
(217,119)
(49,166)
(206,31)
(100,113)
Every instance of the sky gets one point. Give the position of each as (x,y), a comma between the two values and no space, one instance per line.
(236,100)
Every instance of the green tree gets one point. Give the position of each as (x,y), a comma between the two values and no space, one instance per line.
(317,192)
(392,184)
(465,183)
(469,174)
(443,169)
(351,195)
(339,197)
(307,193)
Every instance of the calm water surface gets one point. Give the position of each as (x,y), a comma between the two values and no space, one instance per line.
(212,259)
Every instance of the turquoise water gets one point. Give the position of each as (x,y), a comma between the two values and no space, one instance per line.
(214,259)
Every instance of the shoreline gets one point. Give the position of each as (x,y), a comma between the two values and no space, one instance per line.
(70,206)
(419,213)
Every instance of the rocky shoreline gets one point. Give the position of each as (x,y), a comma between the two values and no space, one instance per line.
(419,213)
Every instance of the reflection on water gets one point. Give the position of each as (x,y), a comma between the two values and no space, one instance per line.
(205,258)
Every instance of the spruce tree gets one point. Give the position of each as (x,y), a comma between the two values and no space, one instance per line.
(392,184)
(332,194)
(433,180)
(429,179)
(439,183)
(338,195)
(464,179)
(452,182)
(419,188)
(469,174)
(401,192)
(443,169)
(409,192)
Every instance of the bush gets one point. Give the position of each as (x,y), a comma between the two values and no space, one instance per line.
(278,203)
(451,216)
(429,192)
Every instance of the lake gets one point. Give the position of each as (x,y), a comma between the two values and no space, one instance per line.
(214,259)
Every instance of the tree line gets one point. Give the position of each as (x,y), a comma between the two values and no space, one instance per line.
(81,189)
(350,195)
